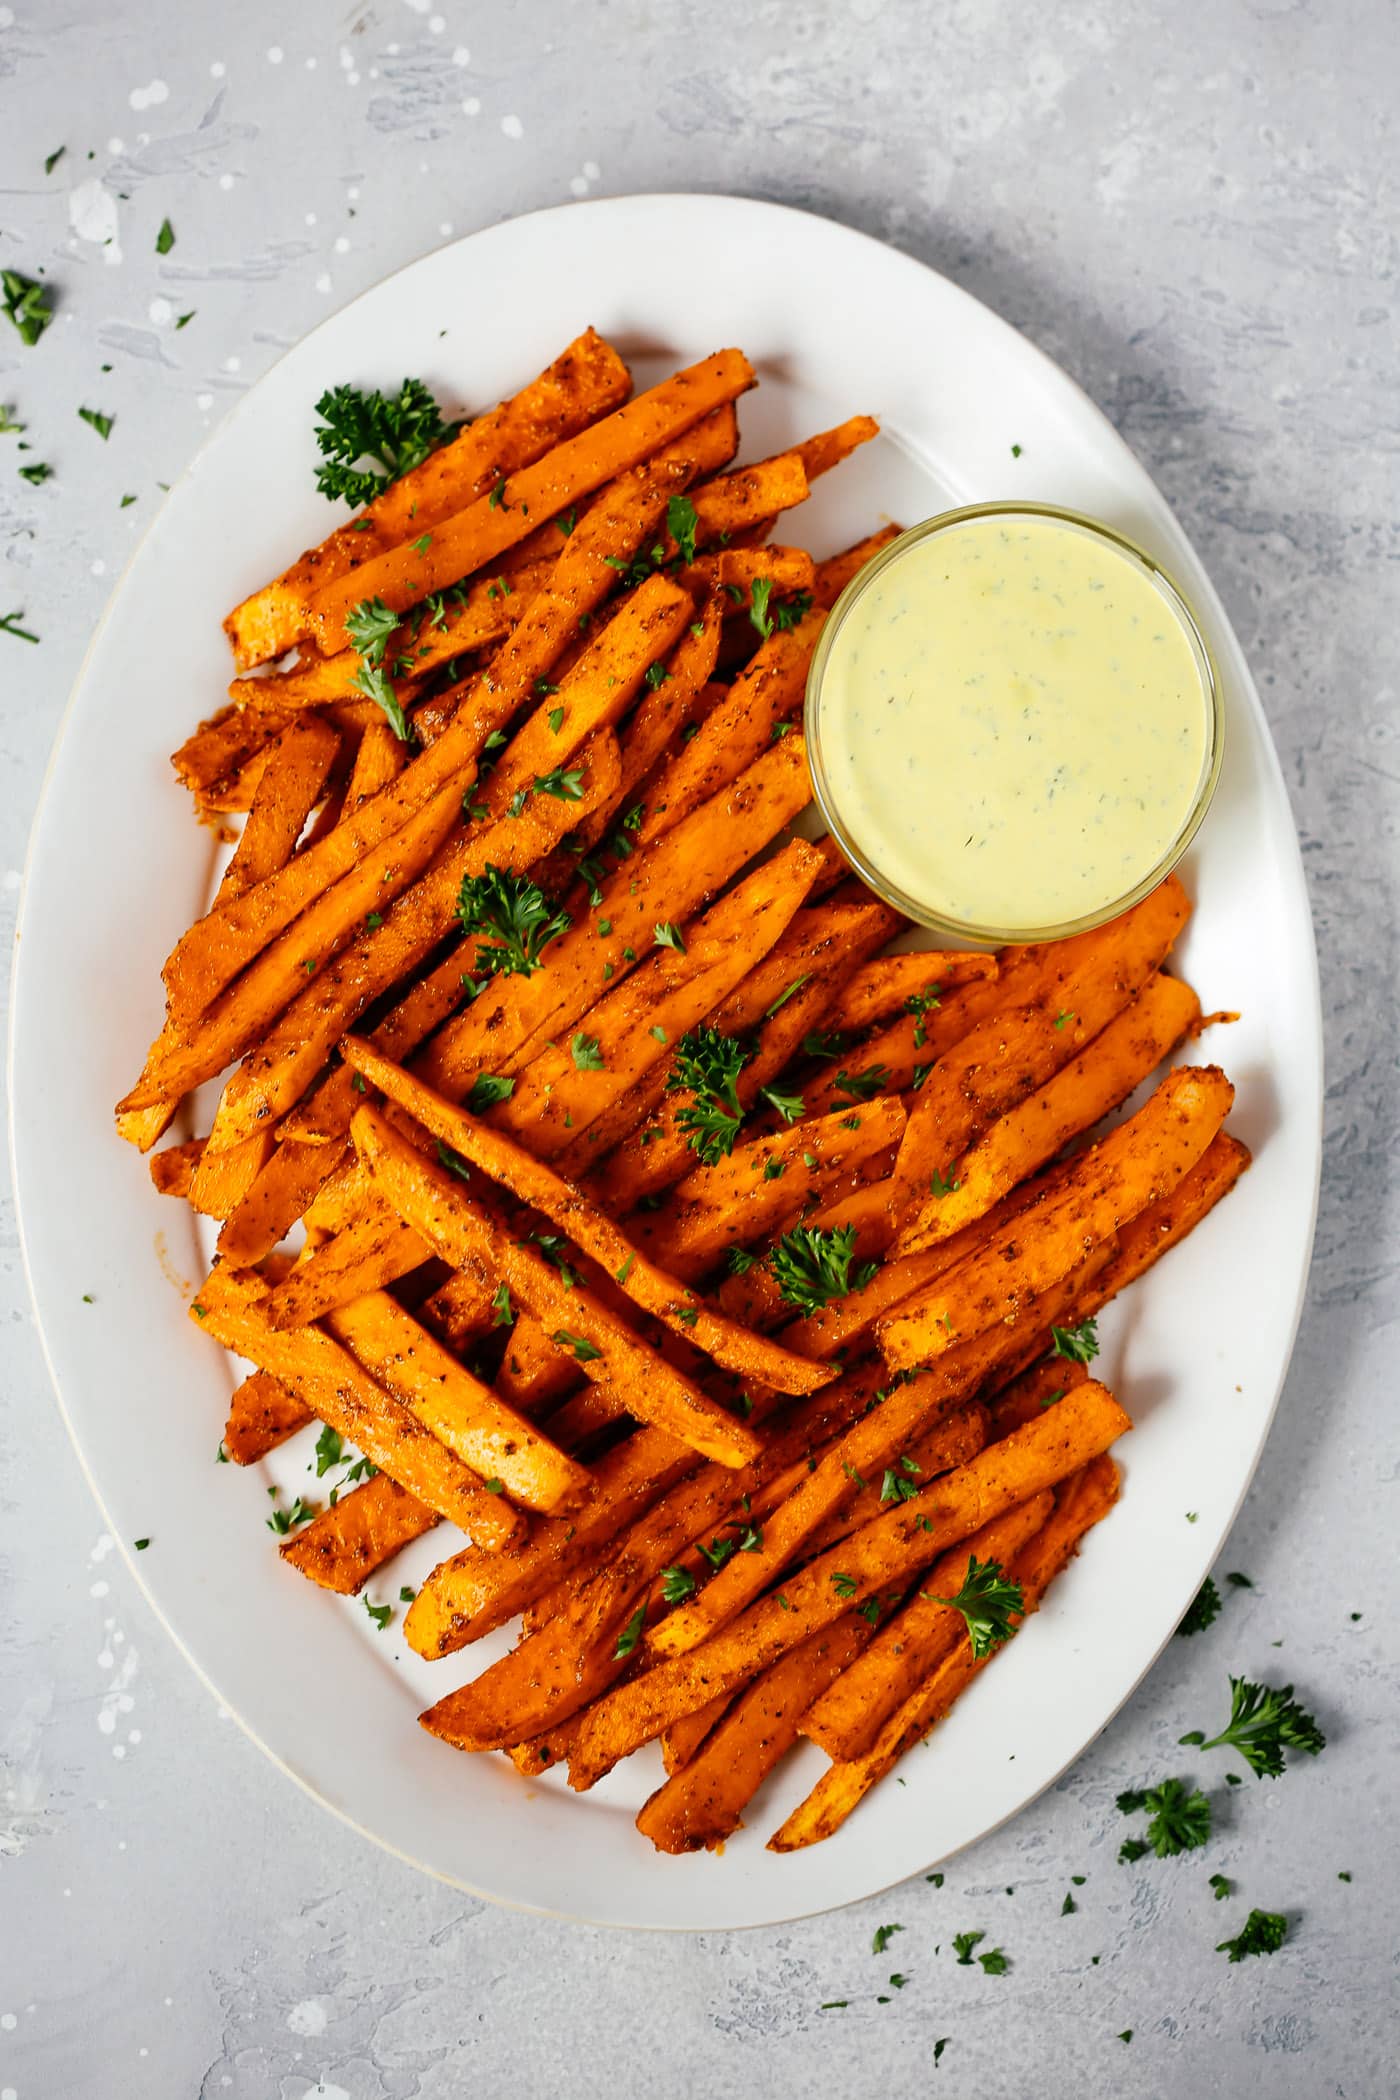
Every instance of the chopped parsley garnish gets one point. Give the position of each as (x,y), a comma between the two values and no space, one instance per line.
(963,1944)
(26,305)
(883,1935)
(1265,1722)
(1078,1345)
(330,1446)
(578,1345)
(380,1613)
(587,1053)
(995,1963)
(376,685)
(36,474)
(1242,1582)
(667,935)
(165,239)
(825,1043)
(988,1603)
(631,1632)
(760,590)
(95,420)
(51,160)
(1263,1932)
(565,786)
(502,1314)
(844,1585)
(556,720)
(657,675)
(943,1184)
(369,626)
(1180,1821)
(782,999)
(284,1520)
(487,1089)
(789,1106)
(1219,1887)
(393,431)
(516,911)
(811,1265)
(9,625)
(707,1064)
(676,1585)
(862,1086)
(681,523)
(453,1161)
(1204,1611)
(896,1485)
(140,1544)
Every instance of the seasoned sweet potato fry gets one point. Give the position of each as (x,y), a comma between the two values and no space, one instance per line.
(744,496)
(1087,1498)
(846,1720)
(172,1168)
(1056,999)
(703,1802)
(1104,1187)
(225,1174)
(833,575)
(475,536)
(261,1415)
(274,1200)
(733,572)
(342,1547)
(466,1235)
(462,1413)
(874,1560)
(591,1230)
(331,1384)
(683,1738)
(740,729)
(885,987)
(587,380)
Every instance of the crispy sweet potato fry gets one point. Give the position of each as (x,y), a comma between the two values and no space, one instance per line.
(745,496)
(1099,1080)
(846,1720)
(588,1227)
(946,1443)
(734,571)
(874,1560)
(261,1415)
(273,1202)
(462,1413)
(224,1176)
(1054,999)
(740,729)
(587,380)
(475,536)
(703,1802)
(1023,1398)
(904,1053)
(1087,1497)
(557,1096)
(883,988)
(331,1384)
(223,761)
(835,574)
(683,1738)
(172,1168)
(1104,1187)
(673,878)
(342,1547)
(466,1236)
(278,1069)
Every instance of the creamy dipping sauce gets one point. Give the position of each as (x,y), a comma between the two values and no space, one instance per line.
(1014,725)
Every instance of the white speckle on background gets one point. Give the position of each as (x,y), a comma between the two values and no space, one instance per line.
(92,214)
(352,80)
(7,18)
(346,57)
(309,2017)
(311,65)
(225,182)
(161,312)
(446,229)
(323,282)
(119,1751)
(311,218)
(274,55)
(437,23)
(578,186)
(12,879)
(149,97)
(472,106)
(7,2092)
(217,70)
(512,127)
(420,7)
(342,245)
(461,56)
(353,194)
(98,1589)
(103,1545)
(592,170)
(233,364)
(116,1697)
(8,2021)
(116,146)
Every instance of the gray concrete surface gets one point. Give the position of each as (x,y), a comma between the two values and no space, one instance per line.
(1194,210)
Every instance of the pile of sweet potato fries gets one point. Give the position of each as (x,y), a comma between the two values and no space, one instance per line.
(721,1276)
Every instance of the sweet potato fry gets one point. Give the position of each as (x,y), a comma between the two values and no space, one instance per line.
(672,879)
(261,1415)
(272,1203)
(702,1804)
(902,1055)
(462,1413)
(833,575)
(1099,1080)
(562,1091)
(224,1175)
(172,1168)
(874,1560)
(534,1376)
(748,1194)
(683,1738)
(949,1442)
(846,1720)
(587,380)
(881,989)
(277,1070)
(222,763)
(1104,1187)
(1023,1398)
(342,1547)
(463,1233)
(744,496)
(475,536)
(733,572)
(326,1378)
(1087,1498)
(740,729)
(1054,999)
(590,1229)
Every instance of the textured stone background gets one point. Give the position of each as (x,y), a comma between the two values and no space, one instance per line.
(1194,210)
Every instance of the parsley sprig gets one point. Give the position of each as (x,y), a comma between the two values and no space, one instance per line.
(1263,1932)
(811,1265)
(988,1603)
(394,431)
(1265,1722)
(1179,1819)
(517,912)
(26,305)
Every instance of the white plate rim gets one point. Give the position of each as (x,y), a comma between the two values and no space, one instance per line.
(1290,873)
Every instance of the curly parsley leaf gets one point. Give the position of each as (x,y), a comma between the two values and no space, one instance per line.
(369,626)
(681,523)
(517,913)
(1263,1932)
(988,1603)
(1079,1345)
(676,1585)
(393,431)
(1265,1722)
(1203,1611)
(587,1053)
(811,1265)
(707,1064)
